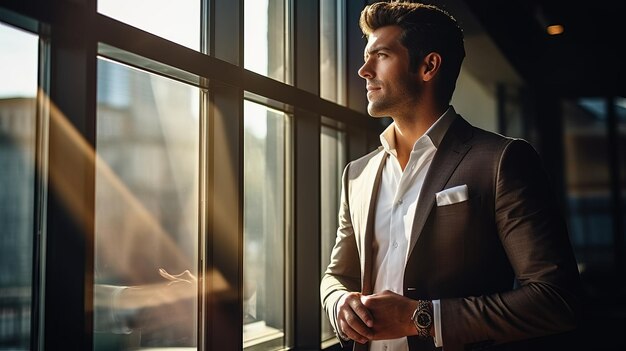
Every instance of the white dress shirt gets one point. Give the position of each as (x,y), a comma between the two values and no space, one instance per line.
(395,212)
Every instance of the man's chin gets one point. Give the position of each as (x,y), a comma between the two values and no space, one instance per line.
(375,112)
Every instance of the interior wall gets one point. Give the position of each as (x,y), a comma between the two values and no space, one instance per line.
(475,102)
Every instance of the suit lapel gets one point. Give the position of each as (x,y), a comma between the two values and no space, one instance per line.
(451,151)
(368,236)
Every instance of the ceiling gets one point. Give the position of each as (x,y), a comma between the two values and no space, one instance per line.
(587,59)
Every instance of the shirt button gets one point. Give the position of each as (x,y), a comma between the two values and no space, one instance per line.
(395,244)
(400,202)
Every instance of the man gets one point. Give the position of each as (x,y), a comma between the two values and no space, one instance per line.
(438,224)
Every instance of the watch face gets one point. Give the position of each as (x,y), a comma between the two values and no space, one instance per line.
(423,319)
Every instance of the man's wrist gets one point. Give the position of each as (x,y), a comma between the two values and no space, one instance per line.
(423,319)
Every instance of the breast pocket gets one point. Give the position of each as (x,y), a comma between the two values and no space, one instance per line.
(453,228)
(452,223)
(462,209)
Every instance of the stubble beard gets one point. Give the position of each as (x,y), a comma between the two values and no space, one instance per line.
(395,98)
(378,109)
(388,106)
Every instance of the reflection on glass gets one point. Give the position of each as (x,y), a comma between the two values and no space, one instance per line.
(265,36)
(146,225)
(18,89)
(178,21)
(588,181)
(333,160)
(264,227)
(332,52)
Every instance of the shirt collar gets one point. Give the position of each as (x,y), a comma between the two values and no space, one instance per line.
(438,130)
(435,133)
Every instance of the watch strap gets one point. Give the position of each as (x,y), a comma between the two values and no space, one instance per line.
(423,318)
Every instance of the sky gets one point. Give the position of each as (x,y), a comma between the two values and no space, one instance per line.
(18,62)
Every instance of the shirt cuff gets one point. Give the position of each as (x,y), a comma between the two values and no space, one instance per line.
(437,326)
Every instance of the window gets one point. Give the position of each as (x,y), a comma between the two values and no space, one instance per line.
(588,180)
(170,217)
(18,91)
(333,161)
(266,176)
(620,111)
(332,51)
(265,38)
(146,225)
(177,21)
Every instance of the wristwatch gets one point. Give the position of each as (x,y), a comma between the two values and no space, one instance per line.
(423,318)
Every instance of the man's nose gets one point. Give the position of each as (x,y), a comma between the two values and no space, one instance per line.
(365,71)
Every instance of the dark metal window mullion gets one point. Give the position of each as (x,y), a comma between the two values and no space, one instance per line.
(69,251)
(41,189)
(306,312)
(224,241)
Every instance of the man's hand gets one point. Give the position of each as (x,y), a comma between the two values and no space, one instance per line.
(392,315)
(353,318)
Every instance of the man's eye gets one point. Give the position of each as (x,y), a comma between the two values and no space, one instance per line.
(381,55)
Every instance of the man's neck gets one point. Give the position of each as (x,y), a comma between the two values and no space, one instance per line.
(410,128)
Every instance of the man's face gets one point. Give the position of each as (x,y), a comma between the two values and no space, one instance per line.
(392,90)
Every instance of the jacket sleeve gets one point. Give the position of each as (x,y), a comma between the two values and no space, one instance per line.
(343,273)
(535,239)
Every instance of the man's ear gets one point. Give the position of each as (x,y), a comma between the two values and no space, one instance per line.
(430,66)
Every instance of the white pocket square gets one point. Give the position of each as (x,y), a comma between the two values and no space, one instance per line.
(452,195)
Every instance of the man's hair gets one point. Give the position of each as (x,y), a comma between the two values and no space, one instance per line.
(425,29)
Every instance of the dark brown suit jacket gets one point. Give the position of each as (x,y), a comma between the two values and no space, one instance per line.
(468,254)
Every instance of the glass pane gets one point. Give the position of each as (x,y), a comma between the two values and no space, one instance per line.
(264,227)
(620,110)
(265,33)
(146,224)
(18,91)
(177,21)
(333,161)
(332,51)
(588,182)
